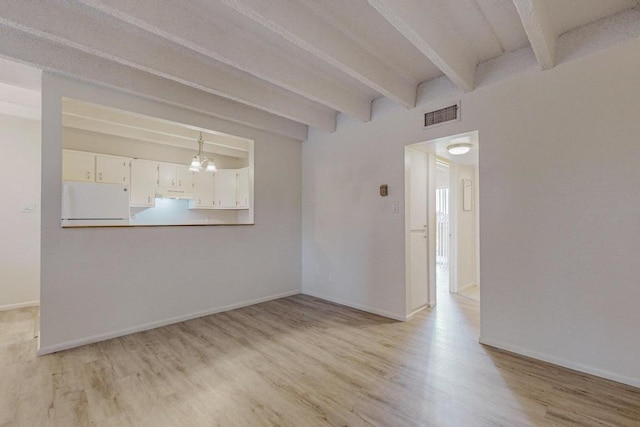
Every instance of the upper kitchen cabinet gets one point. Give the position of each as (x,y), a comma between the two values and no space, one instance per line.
(78,166)
(185,177)
(242,190)
(232,188)
(144,180)
(175,176)
(112,169)
(203,195)
(225,185)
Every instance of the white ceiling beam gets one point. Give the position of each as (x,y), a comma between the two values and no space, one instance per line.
(191,27)
(94,35)
(51,56)
(76,108)
(117,129)
(9,108)
(298,25)
(20,75)
(538,26)
(418,24)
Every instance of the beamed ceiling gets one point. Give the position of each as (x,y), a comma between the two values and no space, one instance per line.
(285,65)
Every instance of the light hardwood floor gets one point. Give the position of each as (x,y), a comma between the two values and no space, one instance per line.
(299,361)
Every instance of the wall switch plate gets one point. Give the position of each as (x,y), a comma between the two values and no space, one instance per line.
(395,207)
(29,209)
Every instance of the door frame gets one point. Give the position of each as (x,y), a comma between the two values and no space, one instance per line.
(430,180)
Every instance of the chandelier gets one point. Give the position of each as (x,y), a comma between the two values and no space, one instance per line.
(201,162)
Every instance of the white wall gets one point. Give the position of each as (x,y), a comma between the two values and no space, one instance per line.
(559,211)
(466,231)
(20,232)
(103,282)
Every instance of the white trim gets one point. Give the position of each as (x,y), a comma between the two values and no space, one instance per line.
(466,287)
(152,325)
(414,312)
(19,305)
(361,307)
(634,382)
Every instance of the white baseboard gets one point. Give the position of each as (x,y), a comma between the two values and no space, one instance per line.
(634,382)
(361,307)
(414,312)
(152,325)
(466,287)
(19,305)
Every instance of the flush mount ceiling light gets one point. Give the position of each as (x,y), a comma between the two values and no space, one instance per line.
(201,162)
(459,149)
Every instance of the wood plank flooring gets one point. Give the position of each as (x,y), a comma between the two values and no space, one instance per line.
(299,361)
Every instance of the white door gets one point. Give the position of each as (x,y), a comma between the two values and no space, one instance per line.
(112,170)
(225,188)
(78,166)
(242,193)
(144,179)
(418,229)
(167,175)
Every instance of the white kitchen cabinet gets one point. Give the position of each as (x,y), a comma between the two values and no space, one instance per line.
(112,169)
(225,188)
(203,192)
(185,178)
(144,180)
(167,175)
(171,175)
(231,188)
(242,189)
(78,166)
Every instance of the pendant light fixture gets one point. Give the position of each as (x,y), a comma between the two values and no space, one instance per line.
(201,162)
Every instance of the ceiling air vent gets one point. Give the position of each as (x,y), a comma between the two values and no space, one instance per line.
(443,115)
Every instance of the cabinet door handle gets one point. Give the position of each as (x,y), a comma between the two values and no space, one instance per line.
(173,182)
(88,175)
(180,183)
(100,176)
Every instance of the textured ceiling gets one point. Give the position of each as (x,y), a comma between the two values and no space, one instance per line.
(283,65)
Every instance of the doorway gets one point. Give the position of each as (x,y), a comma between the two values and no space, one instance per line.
(441,220)
(443,226)
(20,154)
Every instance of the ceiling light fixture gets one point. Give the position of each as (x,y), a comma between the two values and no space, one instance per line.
(459,149)
(200,161)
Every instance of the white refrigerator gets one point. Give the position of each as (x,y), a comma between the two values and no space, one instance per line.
(88,200)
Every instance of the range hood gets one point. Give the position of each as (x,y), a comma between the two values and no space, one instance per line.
(174,193)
